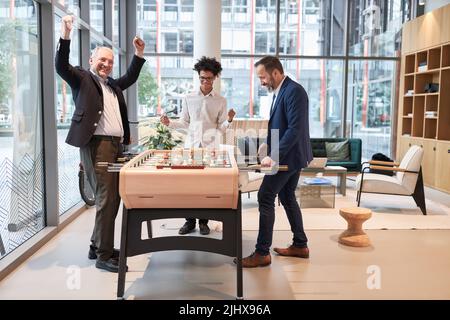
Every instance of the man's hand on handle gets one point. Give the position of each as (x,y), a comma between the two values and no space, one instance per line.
(67,26)
(164,120)
(267,162)
(231,114)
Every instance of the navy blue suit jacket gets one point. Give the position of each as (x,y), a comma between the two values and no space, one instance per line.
(290,116)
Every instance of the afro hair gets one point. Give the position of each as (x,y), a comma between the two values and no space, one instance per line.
(208,64)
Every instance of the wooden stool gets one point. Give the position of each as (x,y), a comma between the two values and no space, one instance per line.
(354,235)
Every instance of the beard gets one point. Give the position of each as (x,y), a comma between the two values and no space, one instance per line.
(270,86)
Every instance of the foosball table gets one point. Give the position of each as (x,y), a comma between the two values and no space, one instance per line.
(181,183)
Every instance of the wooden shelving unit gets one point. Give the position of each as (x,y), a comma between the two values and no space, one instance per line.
(444,107)
(424,117)
(421,68)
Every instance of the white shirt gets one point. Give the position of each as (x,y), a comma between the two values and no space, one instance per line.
(110,123)
(277,90)
(205,117)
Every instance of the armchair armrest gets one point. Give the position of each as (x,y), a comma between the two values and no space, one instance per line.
(384,163)
(391,169)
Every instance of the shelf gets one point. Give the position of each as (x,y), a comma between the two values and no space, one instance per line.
(426,94)
(429,71)
(430,129)
(410,63)
(406,126)
(434,58)
(424,79)
(418,114)
(445,56)
(431,102)
(407,106)
(409,84)
(444,110)
(421,57)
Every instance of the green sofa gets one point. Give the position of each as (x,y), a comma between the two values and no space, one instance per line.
(247,144)
(354,165)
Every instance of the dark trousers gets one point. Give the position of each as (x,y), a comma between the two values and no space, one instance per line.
(200,221)
(106,186)
(284,184)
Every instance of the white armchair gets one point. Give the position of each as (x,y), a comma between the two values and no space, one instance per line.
(407,181)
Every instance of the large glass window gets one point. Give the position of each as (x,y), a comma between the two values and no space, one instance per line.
(116,66)
(170,42)
(116,22)
(307,28)
(376,27)
(370,95)
(248,27)
(95,42)
(166,91)
(323,82)
(148,24)
(169,32)
(97,15)
(312,27)
(238,87)
(72,6)
(187,10)
(21,148)
(68,156)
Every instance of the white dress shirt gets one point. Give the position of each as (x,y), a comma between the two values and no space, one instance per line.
(205,117)
(110,123)
(277,90)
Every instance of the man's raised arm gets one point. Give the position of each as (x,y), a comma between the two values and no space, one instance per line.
(66,27)
(135,66)
(71,75)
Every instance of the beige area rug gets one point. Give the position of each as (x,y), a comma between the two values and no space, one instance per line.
(388,212)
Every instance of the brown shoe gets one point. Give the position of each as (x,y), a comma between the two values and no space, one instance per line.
(256,260)
(293,252)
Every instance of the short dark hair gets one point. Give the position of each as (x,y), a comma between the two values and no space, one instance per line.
(270,63)
(208,64)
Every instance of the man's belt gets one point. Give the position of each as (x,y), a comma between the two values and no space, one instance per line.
(109,138)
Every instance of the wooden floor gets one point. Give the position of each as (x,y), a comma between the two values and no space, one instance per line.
(401,264)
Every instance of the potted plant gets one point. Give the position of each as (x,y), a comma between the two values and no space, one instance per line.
(162,139)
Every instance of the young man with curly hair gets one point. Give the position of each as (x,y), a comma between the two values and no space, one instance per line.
(204,114)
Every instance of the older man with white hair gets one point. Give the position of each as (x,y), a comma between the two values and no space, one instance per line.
(99,128)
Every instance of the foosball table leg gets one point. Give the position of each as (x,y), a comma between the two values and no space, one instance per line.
(240,293)
(123,255)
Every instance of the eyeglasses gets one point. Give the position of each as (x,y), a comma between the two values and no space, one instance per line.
(209,79)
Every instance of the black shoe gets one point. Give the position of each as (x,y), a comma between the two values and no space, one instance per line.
(92,255)
(111,265)
(204,229)
(108,265)
(187,228)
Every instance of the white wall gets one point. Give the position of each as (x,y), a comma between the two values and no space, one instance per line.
(431,5)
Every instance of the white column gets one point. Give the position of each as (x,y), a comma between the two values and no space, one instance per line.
(207,33)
